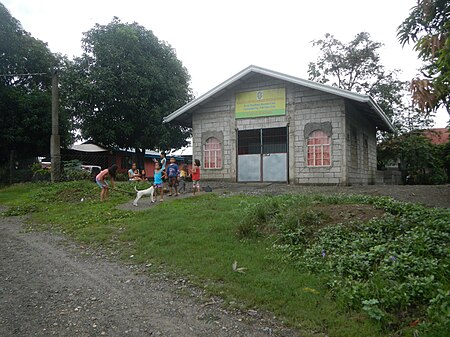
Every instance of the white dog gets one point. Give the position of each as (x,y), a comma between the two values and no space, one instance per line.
(139,194)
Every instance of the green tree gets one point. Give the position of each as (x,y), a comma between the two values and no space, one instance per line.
(420,160)
(356,66)
(123,85)
(25,92)
(428,28)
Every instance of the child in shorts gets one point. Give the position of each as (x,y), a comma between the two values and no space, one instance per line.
(196,176)
(172,171)
(183,176)
(100,179)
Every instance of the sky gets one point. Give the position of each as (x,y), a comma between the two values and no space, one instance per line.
(217,39)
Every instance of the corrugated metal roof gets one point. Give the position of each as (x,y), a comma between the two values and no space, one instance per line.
(378,113)
(88,147)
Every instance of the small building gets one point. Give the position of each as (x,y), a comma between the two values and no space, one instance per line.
(265,126)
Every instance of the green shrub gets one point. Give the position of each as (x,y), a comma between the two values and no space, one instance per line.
(395,268)
(122,177)
(42,175)
(73,171)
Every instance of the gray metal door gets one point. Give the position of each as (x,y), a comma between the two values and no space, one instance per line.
(275,167)
(249,167)
(262,155)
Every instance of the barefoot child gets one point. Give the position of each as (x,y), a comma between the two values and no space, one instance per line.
(196,176)
(100,179)
(172,172)
(158,181)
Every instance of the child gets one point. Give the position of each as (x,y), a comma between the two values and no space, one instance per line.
(133,173)
(183,176)
(100,180)
(158,182)
(196,175)
(143,175)
(172,171)
(163,161)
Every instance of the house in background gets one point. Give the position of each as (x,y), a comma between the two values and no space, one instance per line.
(90,154)
(265,126)
(437,136)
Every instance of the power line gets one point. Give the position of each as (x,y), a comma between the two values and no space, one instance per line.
(29,74)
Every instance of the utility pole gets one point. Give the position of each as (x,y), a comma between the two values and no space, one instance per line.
(55,149)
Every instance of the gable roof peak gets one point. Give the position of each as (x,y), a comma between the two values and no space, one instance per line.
(365,99)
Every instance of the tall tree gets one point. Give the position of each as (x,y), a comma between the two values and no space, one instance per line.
(428,28)
(356,66)
(25,93)
(123,84)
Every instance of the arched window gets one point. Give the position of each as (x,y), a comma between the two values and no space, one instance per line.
(318,144)
(212,154)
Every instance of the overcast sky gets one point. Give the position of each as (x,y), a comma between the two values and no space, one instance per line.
(215,40)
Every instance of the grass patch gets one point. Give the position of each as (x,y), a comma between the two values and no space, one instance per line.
(201,237)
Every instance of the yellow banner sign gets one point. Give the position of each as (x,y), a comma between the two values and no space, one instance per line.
(261,103)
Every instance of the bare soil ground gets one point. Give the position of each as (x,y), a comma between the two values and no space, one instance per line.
(50,286)
(429,195)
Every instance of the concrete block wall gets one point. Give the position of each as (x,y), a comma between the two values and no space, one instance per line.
(365,172)
(303,106)
(312,106)
(217,116)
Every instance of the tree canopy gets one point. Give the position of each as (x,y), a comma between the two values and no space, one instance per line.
(123,85)
(428,28)
(356,66)
(25,93)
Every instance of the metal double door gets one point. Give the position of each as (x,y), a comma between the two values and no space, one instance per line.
(262,155)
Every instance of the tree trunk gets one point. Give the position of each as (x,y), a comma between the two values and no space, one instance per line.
(11,166)
(140,155)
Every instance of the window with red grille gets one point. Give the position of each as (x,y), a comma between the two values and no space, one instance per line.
(212,154)
(319,149)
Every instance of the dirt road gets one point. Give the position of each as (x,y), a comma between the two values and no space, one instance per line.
(49,287)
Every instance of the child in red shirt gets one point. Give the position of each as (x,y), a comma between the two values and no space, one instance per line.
(196,176)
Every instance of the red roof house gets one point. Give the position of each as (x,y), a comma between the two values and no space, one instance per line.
(437,136)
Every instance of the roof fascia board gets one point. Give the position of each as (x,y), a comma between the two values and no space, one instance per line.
(380,113)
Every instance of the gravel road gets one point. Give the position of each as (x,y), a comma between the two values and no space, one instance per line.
(51,287)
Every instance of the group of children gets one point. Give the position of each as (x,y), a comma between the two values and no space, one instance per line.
(135,175)
(173,174)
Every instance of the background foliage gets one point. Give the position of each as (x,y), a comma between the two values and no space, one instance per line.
(428,28)
(25,99)
(123,85)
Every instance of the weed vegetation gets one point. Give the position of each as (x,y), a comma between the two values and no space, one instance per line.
(396,267)
(332,265)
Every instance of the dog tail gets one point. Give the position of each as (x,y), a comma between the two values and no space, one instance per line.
(135,188)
